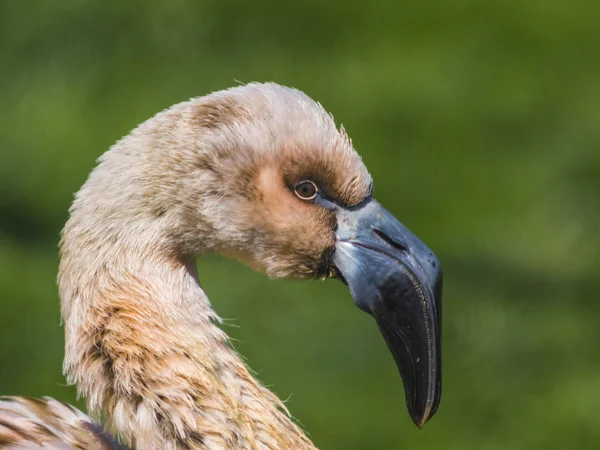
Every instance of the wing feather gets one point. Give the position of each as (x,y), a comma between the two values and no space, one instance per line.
(30,423)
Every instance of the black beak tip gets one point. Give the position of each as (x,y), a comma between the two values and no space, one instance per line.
(420,419)
(421,414)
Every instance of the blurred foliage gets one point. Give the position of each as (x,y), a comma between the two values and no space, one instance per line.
(479,122)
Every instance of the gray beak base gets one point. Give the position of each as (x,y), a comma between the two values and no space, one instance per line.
(394,277)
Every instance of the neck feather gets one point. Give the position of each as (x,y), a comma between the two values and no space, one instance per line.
(144,348)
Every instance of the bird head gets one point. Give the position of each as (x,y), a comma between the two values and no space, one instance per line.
(261,173)
(292,198)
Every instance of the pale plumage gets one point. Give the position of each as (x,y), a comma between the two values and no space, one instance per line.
(143,343)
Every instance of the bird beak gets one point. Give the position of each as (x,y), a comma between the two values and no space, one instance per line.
(394,277)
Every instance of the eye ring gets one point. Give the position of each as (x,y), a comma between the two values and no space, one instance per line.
(306,190)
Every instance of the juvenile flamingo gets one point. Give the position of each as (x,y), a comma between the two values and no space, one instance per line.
(257,172)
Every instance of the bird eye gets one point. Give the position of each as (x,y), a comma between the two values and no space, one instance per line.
(306,190)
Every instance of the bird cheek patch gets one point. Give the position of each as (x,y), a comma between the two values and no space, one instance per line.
(281,210)
(296,232)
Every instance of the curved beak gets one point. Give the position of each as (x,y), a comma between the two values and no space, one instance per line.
(394,277)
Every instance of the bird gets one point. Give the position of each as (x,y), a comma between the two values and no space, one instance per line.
(258,172)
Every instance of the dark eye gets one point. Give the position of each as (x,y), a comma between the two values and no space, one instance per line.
(306,190)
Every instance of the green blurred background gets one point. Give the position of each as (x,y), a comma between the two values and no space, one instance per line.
(479,122)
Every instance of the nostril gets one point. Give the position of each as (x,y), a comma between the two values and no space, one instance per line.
(433,261)
(388,240)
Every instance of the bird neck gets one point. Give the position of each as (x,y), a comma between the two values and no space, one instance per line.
(144,348)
